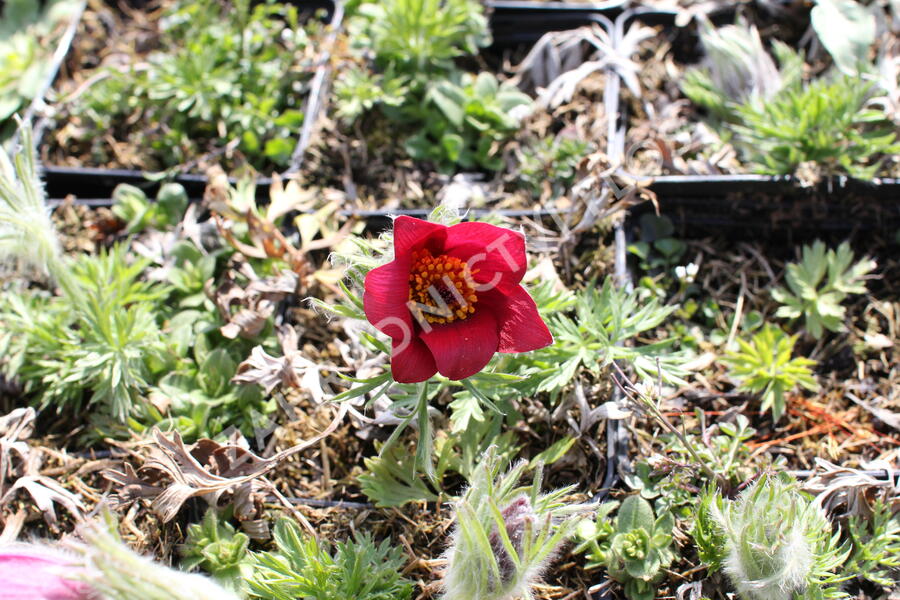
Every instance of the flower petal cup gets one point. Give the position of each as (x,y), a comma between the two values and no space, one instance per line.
(451,298)
(39,573)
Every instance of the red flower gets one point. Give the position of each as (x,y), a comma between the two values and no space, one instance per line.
(451,298)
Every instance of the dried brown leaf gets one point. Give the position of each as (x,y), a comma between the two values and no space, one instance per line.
(256,302)
(15,427)
(207,469)
(836,486)
(130,486)
(290,370)
(45,492)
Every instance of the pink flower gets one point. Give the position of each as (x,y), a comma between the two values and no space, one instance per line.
(35,573)
(451,298)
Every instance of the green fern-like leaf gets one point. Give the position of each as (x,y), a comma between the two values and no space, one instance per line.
(876,545)
(764,366)
(605,324)
(303,568)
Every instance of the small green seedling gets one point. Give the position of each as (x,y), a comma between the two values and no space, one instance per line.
(635,550)
(131,205)
(215,547)
(819,283)
(764,366)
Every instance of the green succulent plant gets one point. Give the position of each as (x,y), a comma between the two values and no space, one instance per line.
(552,160)
(215,547)
(131,205)
(593,535)
(782,125)
(819,283)
(634,548)
(232,73)
(358,90)
(825,122)
(640,548)
(464,120)
(420,35)
(443,115)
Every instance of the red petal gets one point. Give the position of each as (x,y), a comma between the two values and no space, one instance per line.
(463,348)
(497,253)
(410,232)
(385,297)
(412,364)
(521,327)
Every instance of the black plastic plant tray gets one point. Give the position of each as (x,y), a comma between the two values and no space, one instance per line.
(312,6)
(744,206)
(308,8)
(522,22)
(380,219)
(95,185)
(58,177)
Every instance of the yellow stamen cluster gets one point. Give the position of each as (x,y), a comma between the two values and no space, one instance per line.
(440,288)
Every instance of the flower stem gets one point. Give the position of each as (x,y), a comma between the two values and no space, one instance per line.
(423,452)
(636,395)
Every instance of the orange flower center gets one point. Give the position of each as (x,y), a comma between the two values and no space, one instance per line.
(440,288)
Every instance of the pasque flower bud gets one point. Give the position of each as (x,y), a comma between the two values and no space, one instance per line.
(518,519)
(505,535)
(778,544)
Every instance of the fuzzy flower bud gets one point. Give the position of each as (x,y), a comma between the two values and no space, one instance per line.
(100,566)
(118,573)
(778,543)
(505,535)
(518,519)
